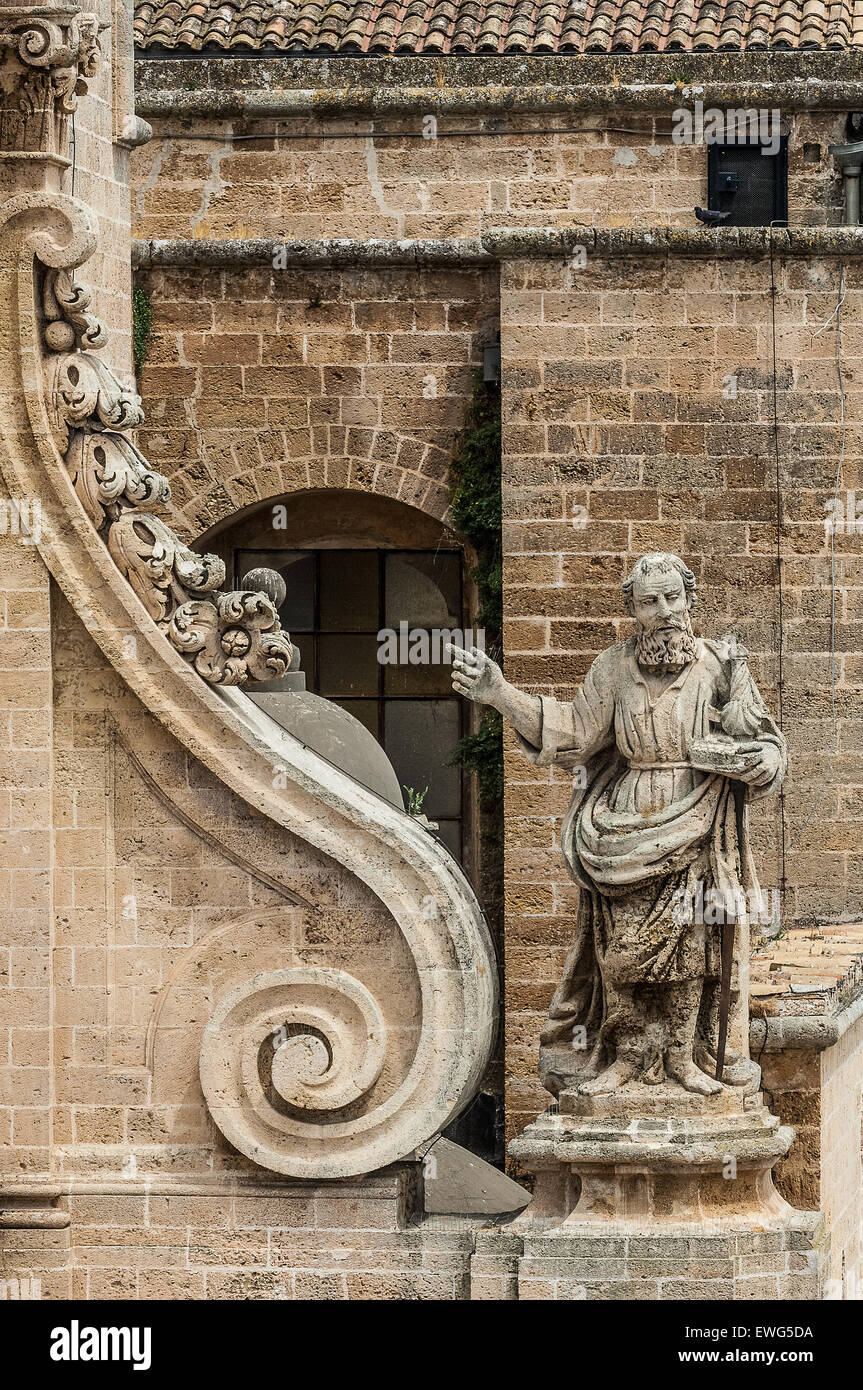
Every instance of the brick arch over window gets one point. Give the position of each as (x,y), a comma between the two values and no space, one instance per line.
(260,382)
(270,483)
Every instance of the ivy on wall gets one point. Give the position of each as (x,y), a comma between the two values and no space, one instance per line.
(475,500)
(475,504)
(142,324)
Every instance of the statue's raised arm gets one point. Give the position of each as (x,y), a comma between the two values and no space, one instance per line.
(478,678)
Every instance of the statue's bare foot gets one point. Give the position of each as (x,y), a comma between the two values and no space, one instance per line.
(612,1078)
(691,1077)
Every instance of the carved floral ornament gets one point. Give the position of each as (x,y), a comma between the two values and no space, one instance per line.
(54,50)
(229,637)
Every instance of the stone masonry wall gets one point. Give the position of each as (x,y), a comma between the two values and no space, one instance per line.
(619,169)
(101,175)
(641,391)
(169,892)
(791,1082)
(841,1180)
(26,925)
(260,383)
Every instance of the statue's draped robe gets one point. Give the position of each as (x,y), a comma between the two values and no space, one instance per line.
(645,830)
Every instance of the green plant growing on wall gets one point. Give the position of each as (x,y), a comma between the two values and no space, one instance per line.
(475,500)
(142,324)
(475,503)
(482,752)
(414,800)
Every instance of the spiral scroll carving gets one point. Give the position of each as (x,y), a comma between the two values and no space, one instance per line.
(285,1050)
(299,1070)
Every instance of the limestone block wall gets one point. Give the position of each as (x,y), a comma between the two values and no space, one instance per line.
(98,172)
(821,1095)
(264,382)
(841,1176)
(100,154)
(638,415)
(620,169)
(792,1088)
(248,1238)
(26,925)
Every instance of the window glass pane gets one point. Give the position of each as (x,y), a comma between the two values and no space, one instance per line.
(297,568)
(450,832)
(419,738)
(348,665)
(349,590)
(423,588)
(424,678)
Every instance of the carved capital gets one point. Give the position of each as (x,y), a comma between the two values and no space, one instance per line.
(48,53)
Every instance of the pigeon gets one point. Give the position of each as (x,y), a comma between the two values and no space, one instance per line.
(711,217)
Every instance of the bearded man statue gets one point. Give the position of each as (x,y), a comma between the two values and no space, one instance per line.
(672,740)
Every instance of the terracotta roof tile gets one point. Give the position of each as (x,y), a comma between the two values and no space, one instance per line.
(498,26)
(813,970)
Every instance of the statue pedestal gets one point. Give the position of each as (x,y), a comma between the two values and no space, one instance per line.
(654,1154)
(653,1193)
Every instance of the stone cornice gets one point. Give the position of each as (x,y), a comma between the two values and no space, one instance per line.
(492,100)
(501,244)
(211,87)
(803,1032)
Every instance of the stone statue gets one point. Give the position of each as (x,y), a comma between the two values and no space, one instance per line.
(671,739)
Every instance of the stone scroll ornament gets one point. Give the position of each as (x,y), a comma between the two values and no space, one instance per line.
(671,740)
(310,1070)
(228,637)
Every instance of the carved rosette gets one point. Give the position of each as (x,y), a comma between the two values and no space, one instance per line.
(49,52)
(228,638)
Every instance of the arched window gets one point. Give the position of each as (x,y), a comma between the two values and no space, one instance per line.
(369,625)
(374,590)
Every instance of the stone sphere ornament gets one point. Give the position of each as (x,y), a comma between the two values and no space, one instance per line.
(60,336)
(235,642)
(266,581)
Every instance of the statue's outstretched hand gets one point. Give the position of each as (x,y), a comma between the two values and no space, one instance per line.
(475,675)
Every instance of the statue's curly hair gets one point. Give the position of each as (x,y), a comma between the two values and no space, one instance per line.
(660,560)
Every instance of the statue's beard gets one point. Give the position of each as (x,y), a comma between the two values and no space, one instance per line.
(667,650)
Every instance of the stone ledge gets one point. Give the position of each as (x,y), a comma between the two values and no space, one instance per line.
(806,988)
(501,244)
(334,85)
